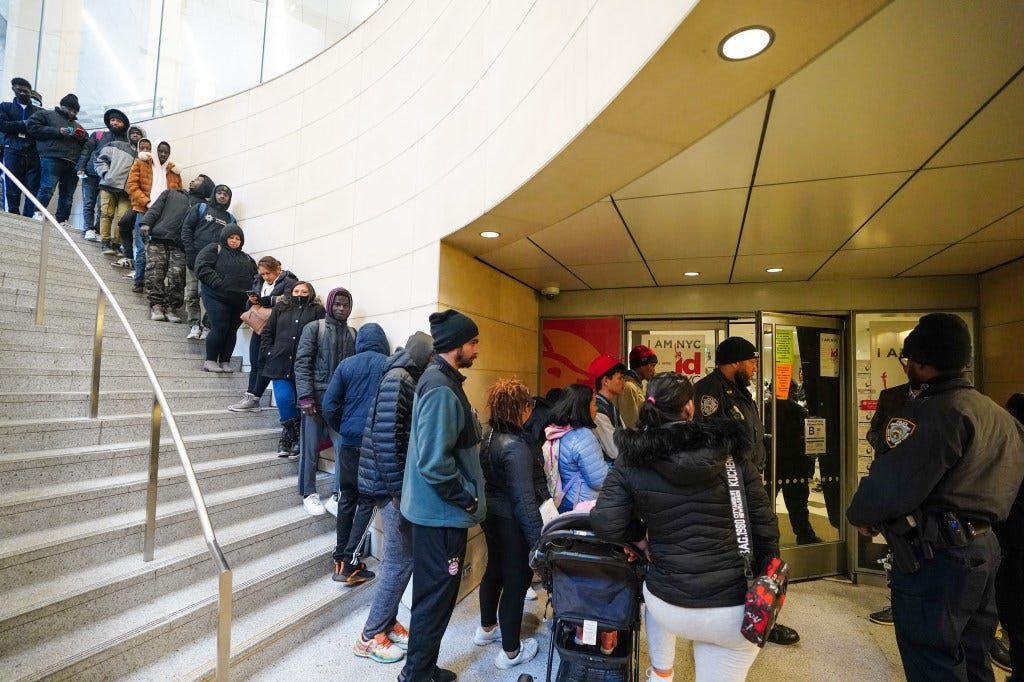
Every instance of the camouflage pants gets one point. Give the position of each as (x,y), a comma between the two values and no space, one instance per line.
(165,274)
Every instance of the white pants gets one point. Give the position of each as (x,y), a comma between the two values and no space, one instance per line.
(720,652)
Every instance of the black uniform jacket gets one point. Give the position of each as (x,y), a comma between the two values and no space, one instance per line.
(890,401)
(715,397)
(950,449)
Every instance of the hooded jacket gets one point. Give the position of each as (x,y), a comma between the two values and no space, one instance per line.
(581,464)
(45,126)
(279,342)
(140,178)
(165,217)
(316,357)
(353,385)
(386,432)
(14,126)
(203,224)
(226,273)
(100,139)
(114,160)
(672,479)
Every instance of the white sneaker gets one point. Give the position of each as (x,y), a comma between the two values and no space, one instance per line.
(331,505)
(313,505)
(531,594)
(651,677)
(38,215)
(91,236)
(483,638)
(249,403)
(172,315)
(194,332)
(527,650)
(68,226)
(203,334)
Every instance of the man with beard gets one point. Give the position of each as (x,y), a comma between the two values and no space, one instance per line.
(117,130)
(19,147)
(953,467)
(442,490)
(724,394)
(59,140)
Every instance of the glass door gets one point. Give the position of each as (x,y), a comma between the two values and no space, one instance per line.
(801,389)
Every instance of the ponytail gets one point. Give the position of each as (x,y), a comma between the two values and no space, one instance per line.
(667,395)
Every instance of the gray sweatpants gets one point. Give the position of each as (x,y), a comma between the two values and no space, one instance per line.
(394,572)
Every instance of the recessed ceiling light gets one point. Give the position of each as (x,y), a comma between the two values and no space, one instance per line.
(490,234)
(773,270)
(692,273)
(746,43)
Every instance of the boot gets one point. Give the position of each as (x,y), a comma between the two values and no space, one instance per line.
(284,444)
(296,439)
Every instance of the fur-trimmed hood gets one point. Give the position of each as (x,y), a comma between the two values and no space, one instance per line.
(684,452)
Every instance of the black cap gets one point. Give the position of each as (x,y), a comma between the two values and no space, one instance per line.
(941,340)
(451,329)
(734,349)
(70,102)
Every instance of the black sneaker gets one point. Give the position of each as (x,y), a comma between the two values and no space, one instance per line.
(440,675)
(883,617)
(783,635)
(353,574)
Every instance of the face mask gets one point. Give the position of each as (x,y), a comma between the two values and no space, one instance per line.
(301,300)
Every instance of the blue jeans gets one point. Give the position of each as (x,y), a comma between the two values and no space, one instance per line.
(393,574)
(57,175)
(90,194)
(284,395)
(139,252)
(313,429)
(26,168)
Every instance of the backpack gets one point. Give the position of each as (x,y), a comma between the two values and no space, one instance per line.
(202,211)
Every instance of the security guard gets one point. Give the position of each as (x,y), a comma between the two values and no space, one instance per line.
(723,394)
(954,464)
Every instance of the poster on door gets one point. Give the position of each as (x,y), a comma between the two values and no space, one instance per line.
(682,353)
(829,350)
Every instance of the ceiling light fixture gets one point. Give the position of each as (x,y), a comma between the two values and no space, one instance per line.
(490,234)
(693,273)
(773,270)
(745,43)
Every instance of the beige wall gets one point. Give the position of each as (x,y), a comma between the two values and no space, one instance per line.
(506,313)
(1002,329)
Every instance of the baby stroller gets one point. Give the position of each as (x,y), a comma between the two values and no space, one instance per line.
(590,581)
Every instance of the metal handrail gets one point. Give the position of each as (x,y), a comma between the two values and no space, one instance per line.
(160,408)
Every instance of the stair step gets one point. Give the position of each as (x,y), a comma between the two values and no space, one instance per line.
(112,379)
(76,403)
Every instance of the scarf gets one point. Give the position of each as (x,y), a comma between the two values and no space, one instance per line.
(159,173)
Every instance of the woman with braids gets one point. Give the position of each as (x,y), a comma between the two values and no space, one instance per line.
(669,484)
(513,524)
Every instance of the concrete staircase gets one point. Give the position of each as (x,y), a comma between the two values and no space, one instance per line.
(78,601)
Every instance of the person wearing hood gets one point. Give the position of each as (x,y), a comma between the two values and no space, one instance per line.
(112,162)
(160,229)
(279,344)
(117,129)
(270,284)
(668,492)
(202,226)
(19,153)
(321,349)
(150,175)
(381,469)
(346,404)
(226,272)
(59,140)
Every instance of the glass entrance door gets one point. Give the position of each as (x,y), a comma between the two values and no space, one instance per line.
(801,393)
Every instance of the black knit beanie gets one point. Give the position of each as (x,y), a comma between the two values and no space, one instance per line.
(70,102)
(734,349)
(451,329)
(941,340)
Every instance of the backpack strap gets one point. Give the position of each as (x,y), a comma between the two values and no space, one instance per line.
(740,516)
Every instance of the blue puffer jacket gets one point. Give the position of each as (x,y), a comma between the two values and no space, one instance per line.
(386,432)
(350,394)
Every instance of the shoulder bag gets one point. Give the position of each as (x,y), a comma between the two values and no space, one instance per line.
(256,317)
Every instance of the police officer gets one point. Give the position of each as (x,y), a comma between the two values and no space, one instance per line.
(724,394)
(954,463)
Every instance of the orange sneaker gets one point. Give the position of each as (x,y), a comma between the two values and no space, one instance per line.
(378,649)
(399,636)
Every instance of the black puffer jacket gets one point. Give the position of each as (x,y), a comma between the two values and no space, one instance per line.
(386,434)
(280,338)
(672,479)
(226,273)
(507,461)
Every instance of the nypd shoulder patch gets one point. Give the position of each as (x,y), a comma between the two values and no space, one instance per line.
(708,405)
(898,430)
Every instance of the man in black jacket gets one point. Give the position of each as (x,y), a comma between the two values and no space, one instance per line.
(59,141)
(160,228)
(19,147)
(954,465)
(202,226)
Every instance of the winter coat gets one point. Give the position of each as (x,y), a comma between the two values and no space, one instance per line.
(100,139)
(114,161)
(316,358)
(353,385)
(165,216)
(507,463)
(45,126)
(581,464)
(14,126)
(672,480)
(226,273)
(279,342)
(386,432)
(443,485)
(715,397)
(282,285)
(140,180)
(203,224)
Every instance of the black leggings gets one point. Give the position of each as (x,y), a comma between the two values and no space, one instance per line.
(257,382)
(506,579)
(224,324)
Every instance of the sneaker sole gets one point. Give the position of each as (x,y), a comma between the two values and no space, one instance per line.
(881,622)
(351,581)
(373,656)
(244,409)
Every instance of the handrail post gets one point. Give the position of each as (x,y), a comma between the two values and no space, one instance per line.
(97,356)
(44,258)
(224,627)
(154,471)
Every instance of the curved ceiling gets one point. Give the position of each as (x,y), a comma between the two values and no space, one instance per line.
(897,152)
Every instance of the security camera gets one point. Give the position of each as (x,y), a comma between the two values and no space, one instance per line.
(550,292)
